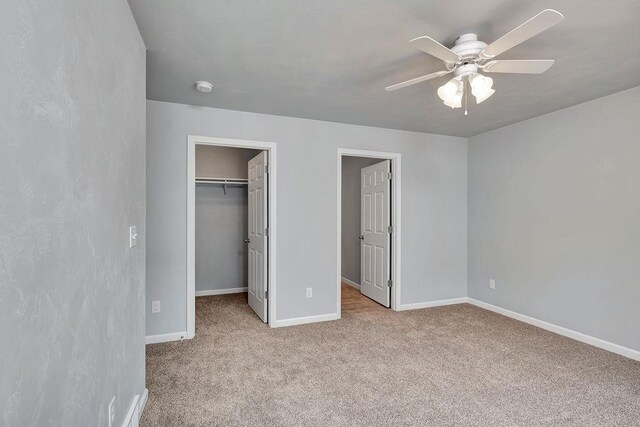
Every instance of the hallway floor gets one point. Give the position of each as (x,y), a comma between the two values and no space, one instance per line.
(354,302)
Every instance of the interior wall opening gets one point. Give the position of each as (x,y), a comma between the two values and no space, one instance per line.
(221,223)
(228,236)
(366,263)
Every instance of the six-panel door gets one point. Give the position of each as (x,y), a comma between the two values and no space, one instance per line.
(258,188)
(375,221)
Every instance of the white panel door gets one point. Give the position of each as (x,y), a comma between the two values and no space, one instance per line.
(257,244)
(375,231)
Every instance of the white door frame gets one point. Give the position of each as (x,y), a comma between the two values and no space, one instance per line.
(270,147)
(396,217)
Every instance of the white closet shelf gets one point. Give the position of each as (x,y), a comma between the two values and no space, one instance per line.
(239,181)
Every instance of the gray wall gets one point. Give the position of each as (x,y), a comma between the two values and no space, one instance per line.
(221,227)
(72,180)
(351,207)
(554,217)
(434,241)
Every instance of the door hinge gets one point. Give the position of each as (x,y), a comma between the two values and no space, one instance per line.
(266,168)
(389,283)
(266,294)
(390,175)
(266,231)
(390,229)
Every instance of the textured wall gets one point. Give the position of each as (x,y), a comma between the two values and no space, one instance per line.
(554,218)
(72,179)
(434,207)
(351,206)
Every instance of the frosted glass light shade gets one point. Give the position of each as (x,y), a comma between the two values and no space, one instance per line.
(480,84)
(485,96)
(481,87)
(448,91)
(456,100)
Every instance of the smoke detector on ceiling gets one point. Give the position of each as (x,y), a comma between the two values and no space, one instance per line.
(203,86)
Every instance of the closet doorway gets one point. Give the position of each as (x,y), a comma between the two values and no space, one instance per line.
(368,230)
(231,223)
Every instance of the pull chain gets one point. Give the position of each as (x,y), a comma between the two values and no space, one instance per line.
(466,95)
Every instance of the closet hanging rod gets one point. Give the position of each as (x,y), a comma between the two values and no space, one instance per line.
(221,181)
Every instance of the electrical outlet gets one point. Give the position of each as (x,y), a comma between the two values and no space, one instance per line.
(133,236)
(309,292)
(155,306)
(492,284)
(112,412)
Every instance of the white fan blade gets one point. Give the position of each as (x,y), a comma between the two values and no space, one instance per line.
(534,26)
(534,66)
(416,80)
(432,47)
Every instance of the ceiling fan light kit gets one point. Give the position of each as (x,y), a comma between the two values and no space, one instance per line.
(469,55)
(481,87)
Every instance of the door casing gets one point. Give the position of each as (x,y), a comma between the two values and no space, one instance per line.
(271,149)
(396,220)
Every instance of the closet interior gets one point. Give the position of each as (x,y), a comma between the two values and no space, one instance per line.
(221,219)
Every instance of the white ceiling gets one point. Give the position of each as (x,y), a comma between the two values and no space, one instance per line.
(331,59)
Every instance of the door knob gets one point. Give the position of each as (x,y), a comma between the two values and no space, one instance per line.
(361,237)
(247,240)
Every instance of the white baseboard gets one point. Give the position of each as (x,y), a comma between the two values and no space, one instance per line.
(132,418)
(155,339)
(569,333)
(305,320)
(428,304)
(350,283)
(143,401)
(221,292)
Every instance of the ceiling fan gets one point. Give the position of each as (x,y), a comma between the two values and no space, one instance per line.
(470,55)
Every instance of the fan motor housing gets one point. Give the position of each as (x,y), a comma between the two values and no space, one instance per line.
(468,47)
(466,70)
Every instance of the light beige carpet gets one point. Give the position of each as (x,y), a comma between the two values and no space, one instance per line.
(455,365)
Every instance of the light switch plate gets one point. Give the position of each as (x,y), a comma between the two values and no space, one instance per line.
(492,284)
(133,236)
